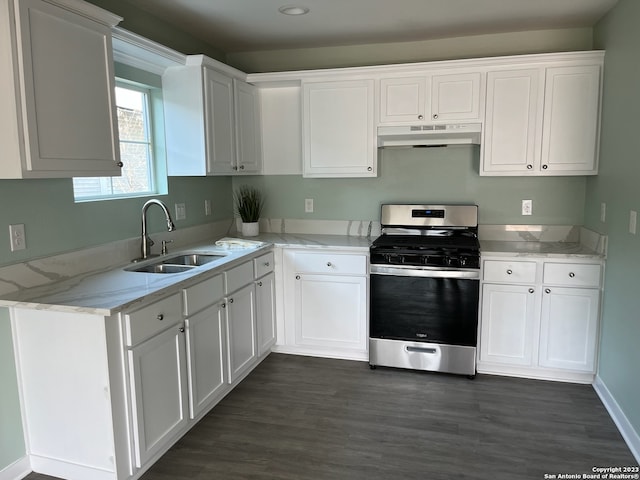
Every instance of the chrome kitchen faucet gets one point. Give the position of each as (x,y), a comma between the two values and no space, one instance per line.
(146,242)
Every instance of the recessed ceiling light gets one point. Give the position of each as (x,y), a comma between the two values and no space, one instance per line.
(293,10)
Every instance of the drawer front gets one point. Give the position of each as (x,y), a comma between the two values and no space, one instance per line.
(238,277)
(203,294)
(330,263)
(150,320)
(572,274)
(509,272)
(264,264)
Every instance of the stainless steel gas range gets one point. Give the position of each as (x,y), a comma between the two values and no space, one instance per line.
(424,277)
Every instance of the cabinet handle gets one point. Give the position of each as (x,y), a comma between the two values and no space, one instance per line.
(420,117)
(231,300)
(529,167)
(241,167)
(120,164)
(547,290)
(509,272)
(181,329)
(160,316)
(297,277)
(531,290)
(259,284)
(571,274)
(435,116)
(544,167)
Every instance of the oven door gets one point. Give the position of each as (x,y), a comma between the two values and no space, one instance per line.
(424,305)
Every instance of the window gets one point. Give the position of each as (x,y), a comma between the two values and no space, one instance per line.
(136,150)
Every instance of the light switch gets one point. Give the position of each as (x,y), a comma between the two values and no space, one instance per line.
(181,211)
(308,205)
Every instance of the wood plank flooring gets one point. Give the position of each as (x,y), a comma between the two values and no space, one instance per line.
(308,418)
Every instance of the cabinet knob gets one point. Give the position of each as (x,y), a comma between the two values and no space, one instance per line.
(369,169)
(120,164)
(547,290)
(420,117)
(266,264)
(509,272)
(297,277)
(329,264)
(224,305)
(160,316)
(234,167)
(259,284)
(531,290)
(544,167)
(241,167)
(435,116)
(181,329)
(571,274)
(529,167)
(231,300)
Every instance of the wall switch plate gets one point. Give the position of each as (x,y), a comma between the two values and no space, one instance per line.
(603,212)
(18,239)
(207,207)
(308,205)
(527,207)
(633,219)
(181,211)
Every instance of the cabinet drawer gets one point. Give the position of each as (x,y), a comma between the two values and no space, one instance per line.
(264,264)
(203,294)
(238,277)
(330,263)
(152,319)
(511,272)
(572,274)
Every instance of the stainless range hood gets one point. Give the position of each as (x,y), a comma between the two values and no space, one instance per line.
(429,135)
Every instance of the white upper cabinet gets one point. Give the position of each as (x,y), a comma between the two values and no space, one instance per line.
(338,129)
(544,119)
(431,98)
(212,120)
(57,115)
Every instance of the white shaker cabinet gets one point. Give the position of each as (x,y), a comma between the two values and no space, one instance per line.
(338,135)
(57,113)
(241,331)
(437,97)
(265,313)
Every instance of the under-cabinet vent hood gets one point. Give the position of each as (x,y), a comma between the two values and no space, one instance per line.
(419,135)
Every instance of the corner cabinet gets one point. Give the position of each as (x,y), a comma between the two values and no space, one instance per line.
(543,119)
(338,134)
(57,112)
(539,318)
(212,120)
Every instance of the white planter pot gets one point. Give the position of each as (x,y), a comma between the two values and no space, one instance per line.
(250,229)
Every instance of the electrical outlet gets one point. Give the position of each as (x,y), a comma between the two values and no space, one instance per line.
(18,239)
(308,205)
(603,212)
(207,207)
(633,218)
(181,211)
(527,207)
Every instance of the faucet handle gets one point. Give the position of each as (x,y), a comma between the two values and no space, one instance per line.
(164,250)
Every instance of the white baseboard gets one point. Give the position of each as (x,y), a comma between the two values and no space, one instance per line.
(17,470)
(627,431)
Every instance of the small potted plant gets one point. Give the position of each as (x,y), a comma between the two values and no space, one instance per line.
(248,203)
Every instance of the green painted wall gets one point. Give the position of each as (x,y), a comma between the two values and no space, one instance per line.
(425,174)
(617,185)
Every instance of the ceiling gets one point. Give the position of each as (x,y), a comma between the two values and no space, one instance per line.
(251,25)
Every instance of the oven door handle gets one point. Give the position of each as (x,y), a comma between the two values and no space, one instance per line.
(468,274)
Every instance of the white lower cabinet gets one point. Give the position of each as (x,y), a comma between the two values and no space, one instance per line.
(325,303)
(265,313)
(241,331)
(539,319)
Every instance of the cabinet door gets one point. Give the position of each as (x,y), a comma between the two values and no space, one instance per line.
(248,145)
(219,122)
(206,358)
(67,62)
(507,324)
(571,120)
(338,131)
(265,313)
(512,122)
(403,99)
(569,328)
(455,97)
(330,311)
(159,392)
(241,331)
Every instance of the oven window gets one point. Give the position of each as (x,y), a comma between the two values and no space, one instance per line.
(436,310)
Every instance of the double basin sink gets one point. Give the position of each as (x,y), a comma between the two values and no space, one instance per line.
(177,263)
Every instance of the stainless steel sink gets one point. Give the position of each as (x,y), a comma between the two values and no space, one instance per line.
(178,263)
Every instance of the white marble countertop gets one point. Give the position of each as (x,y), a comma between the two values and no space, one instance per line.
(308,240)
(539,249)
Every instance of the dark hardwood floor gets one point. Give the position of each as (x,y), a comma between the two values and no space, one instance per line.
(309,418)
